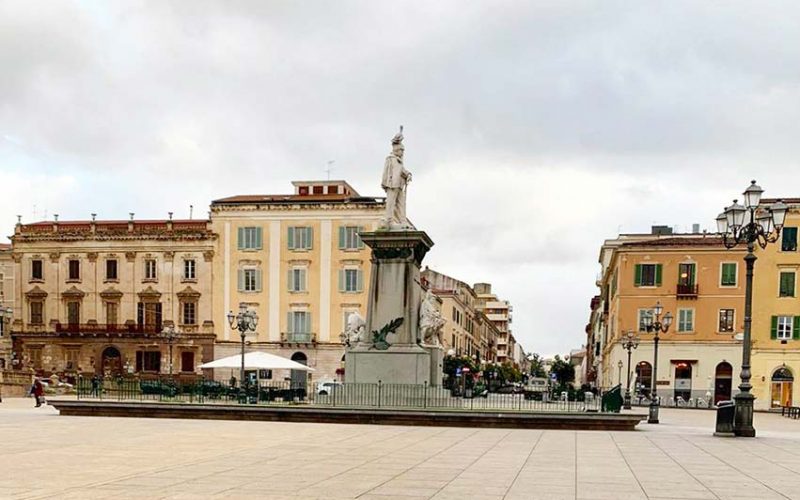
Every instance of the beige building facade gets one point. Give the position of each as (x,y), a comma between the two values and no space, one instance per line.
(95,297)
(499,313)
(297,260)
(6,301)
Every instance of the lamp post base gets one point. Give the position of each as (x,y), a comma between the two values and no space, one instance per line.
(743,418)
(652,417)
(626,404)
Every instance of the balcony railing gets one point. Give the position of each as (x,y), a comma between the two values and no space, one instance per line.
(299,337)
(687,291)
(105,328)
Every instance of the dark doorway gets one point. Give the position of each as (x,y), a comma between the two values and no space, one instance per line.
(111,362)
(723,382)
(644,378)
(683,380)
(299,378)
(187,361)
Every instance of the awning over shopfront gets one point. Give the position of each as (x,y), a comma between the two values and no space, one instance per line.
(257,361)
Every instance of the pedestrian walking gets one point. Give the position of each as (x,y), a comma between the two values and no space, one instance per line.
(38,391)
(96,386)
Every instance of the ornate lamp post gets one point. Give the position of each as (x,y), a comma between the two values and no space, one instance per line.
(169,334)
(245,321)
(620,364)
(5,317)
(629,342)
(748,225)
(654,324)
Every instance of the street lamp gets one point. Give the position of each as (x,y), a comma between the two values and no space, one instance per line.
(629,342)
(5,317)
(748,225)
(620,364)
(169,334)
(245,321)
(654,324)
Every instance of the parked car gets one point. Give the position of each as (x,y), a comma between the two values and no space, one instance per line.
(509,389)
(325,387)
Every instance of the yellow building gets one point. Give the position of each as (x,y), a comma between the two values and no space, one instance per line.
(296,259)
(499,313)
(776,317)
(696,279)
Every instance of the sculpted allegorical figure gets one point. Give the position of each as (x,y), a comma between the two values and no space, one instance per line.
(395,180)
(430,320)
(356,326)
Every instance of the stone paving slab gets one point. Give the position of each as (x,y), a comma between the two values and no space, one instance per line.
(43,455)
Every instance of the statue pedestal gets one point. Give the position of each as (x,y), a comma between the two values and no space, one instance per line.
(437,364)
(394,293)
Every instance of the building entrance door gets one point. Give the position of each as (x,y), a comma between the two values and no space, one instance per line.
(299,378)
(782,384)
(723,382)
(111,362)
(683,381)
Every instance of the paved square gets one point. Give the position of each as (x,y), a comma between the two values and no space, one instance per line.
(43,455)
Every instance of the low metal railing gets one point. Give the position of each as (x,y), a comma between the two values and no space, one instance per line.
(379,395)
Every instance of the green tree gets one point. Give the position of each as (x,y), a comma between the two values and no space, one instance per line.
(537,366)
(564,372)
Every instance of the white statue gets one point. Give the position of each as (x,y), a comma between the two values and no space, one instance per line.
(430,320)
(395,180)
(356,327)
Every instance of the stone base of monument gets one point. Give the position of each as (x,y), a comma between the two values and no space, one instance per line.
(400,364)
(437,364)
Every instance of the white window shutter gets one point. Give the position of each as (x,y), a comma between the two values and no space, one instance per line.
(360,280)
(308,322)
(290,238)
(361,229)
(289,322)
(258,238)
(341,280)
(241,280)
(240,238)
(302,285)
(341,237)
(290,280)
(258,280)
(309,238)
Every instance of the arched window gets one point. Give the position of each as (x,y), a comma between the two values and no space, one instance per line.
(644,377)
(782,385)
(299,377)
(723,382)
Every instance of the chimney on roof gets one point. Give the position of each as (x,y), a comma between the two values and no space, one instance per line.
(130,223)
(660,230)
(169,222)
(55,222)
(94,223)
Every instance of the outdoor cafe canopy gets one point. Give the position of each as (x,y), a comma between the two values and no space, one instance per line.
(257,361)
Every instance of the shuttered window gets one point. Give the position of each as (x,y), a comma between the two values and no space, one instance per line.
(685,320)
(786,287)
(348,237)
(728,274)
(249,280)
(351,280)
(789,239)
(297,280)
(785,327)
(300,238)
(249,238)
(647,275)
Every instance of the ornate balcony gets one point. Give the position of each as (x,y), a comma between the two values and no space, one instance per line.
(686,291)
(103,328)
(299,337)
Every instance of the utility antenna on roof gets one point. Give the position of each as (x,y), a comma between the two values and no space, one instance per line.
(191,211)
(328,169)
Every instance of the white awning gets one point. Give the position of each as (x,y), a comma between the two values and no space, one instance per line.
(257,361)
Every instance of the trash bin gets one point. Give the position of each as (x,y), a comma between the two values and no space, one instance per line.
(726,411)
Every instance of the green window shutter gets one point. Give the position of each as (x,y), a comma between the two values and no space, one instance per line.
(290,238)
(258,238)
(637,279)
(290,280)
(773,334)
(728,274)
(240,286)
(240,238)
(341,280)
(309,238)
(341,238)
(790,284)
(361,229)
(289,323)
(258,280)
(659,269)
(796,328)
(360,281)
(308,322)
(692,274)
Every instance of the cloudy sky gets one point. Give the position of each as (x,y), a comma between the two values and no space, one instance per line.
(534,130)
